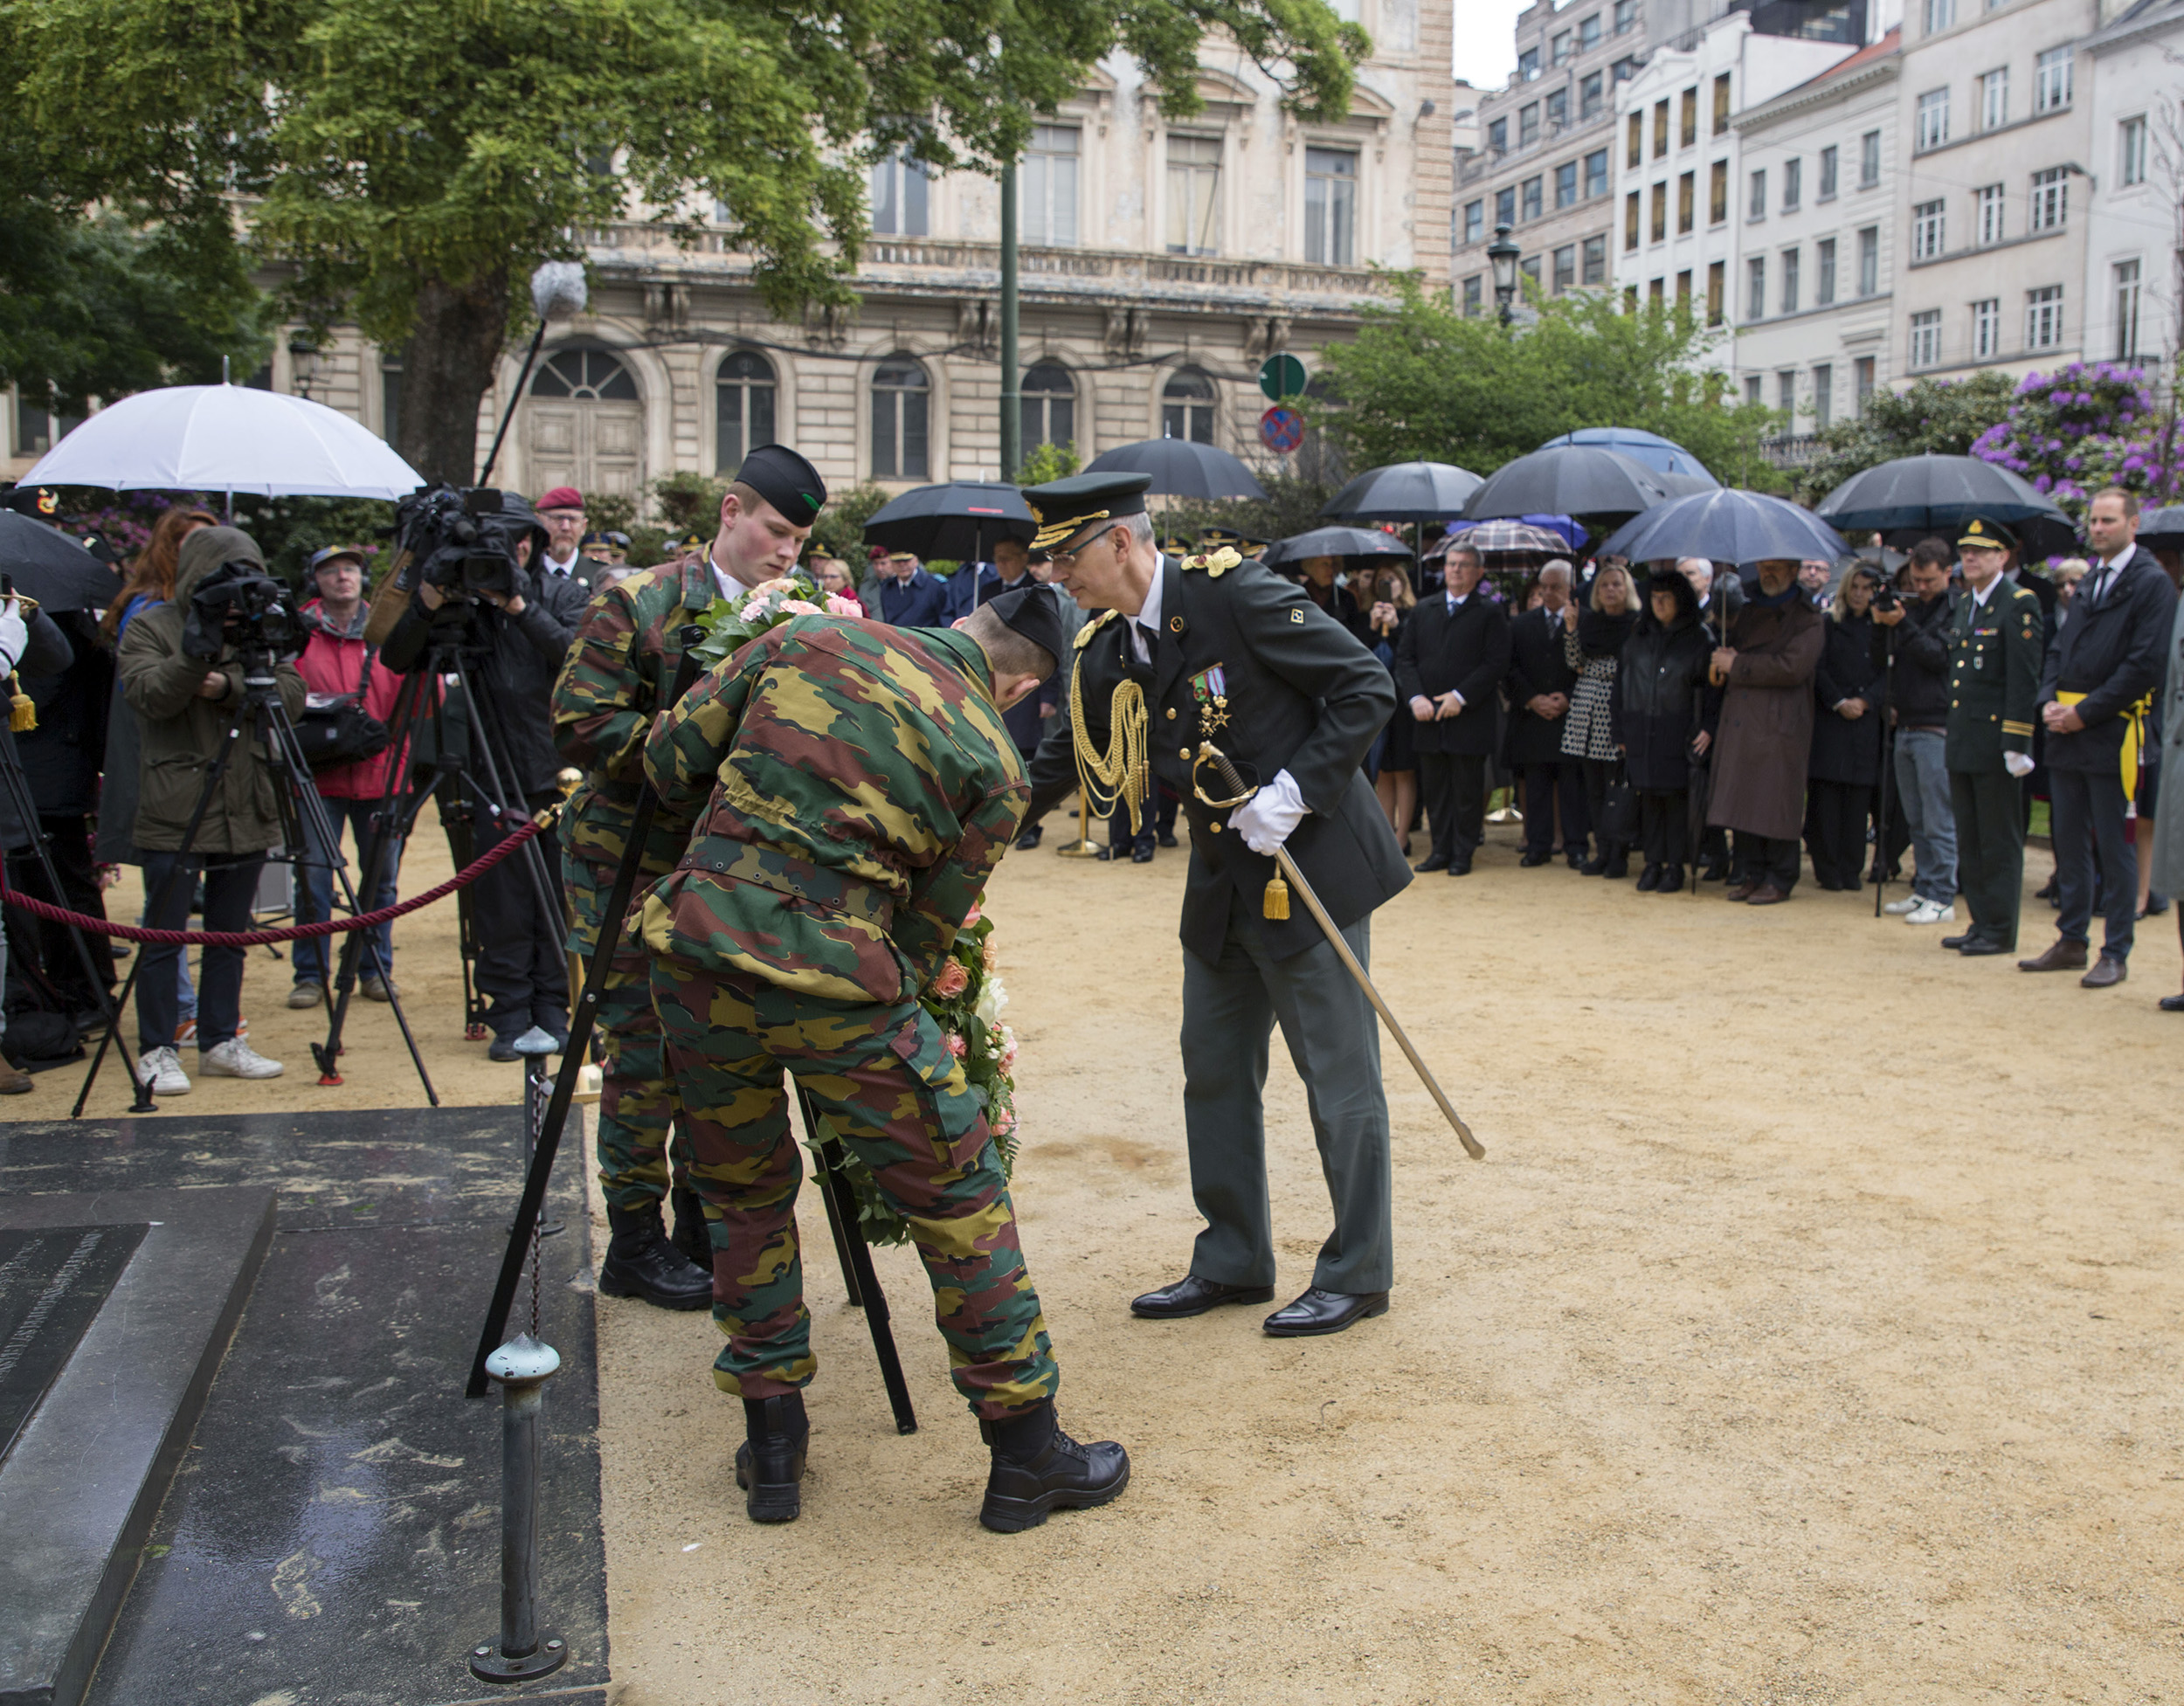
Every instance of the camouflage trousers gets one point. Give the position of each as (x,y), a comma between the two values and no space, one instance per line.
(882,1079)
(637,1095)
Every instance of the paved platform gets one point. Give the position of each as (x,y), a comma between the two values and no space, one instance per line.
(332,1534)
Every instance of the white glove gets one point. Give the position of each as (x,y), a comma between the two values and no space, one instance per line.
(2019,764)
(14,636)
(1267,818)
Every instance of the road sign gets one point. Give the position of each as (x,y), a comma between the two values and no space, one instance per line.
(1282,377)
(1281,429)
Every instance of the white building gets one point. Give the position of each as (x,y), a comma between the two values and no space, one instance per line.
(2135,70)
(1818,240)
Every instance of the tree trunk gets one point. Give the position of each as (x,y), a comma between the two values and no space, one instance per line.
(447,368)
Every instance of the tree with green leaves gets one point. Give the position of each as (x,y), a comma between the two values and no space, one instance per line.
(1421,381)
(410,161)
(1945,415)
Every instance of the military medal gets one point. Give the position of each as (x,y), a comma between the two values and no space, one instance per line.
(1209,691)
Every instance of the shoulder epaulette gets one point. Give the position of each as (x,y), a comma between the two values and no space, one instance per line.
(2026,592)
(1090,628)
(1216,563)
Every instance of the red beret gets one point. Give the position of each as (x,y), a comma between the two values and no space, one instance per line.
(562,497)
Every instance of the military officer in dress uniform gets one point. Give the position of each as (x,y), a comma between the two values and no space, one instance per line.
(1996,646)
(1218,651)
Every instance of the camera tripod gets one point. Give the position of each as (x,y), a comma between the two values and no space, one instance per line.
(263,715)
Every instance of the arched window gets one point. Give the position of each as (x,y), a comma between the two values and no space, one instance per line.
(900,396)
(1186,406)
(584,373)
(743,408)
(1049,405)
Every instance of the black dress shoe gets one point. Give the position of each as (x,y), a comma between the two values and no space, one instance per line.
(2172,1004)
(1981,947)
(641,1262)
(1714,873)
(1576,859)
(501,1048)
(1030,836)
(1459,867)
(1956,941)
(1531,860)
(1038,1469)
(1319,1311)
(1593,867)
(691,1236)
(770,1463)
(1167,839)
(1141,853)
(1650,880)
(1191,1296)
(1617,868)
(1435,862)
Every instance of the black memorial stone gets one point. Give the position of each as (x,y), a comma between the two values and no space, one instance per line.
(53,1279)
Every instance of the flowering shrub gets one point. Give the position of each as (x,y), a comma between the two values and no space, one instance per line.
(2084,426)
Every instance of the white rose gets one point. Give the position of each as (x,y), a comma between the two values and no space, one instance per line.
(991,998)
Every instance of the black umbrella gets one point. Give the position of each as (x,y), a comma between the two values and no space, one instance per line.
(959,521)
(1728,526)
(1357,547)
(51,566)
(1569,479)
(1180,468)
(1405,492)
(1916,496)
(2162,529)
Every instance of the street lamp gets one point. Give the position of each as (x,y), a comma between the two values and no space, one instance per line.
(1501,254)
(303,362)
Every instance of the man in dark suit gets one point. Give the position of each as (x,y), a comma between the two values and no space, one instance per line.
(1540,682)
(2103,671)
(908,597)
(1450,657)
(1215,651)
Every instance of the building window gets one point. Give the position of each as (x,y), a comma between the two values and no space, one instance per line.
(1047,187)
(1828,159)
(1687,202)
(1528,64)
(1756,202)
(1658,291)
(1564,44)
(899,185)
(1194,195)
(1624,69)
(1566,268)
(1566,184)
(1505,207)
(1940,15)
(1721,104)
(1331,206)
(1530,267)
(1793,266)
(1594,265)
(1557,111)
(1630,221)
(1497,136)
(1660,212)
(1793,184)
(1929,225)
(1596,173)
(1863,375)
(1474,221)
(1473,297)
(1986,329)
(1186,406)
(2052,80)
(1869,160)
(2050,198)
(2043,318)
(1824,280)
(2126,278)
(1048,406)
(1634,146)
(2130,152)
(1687,118)
(743,408)
(1753,383)
(1528,125)
(1660,129)
(1756,287)
(1716,287)
(1786,393)
(1925,339)
(1589,34)
(1532,188)
(1683,290)
(1592,95)
(1823,396)
(1995,99)
(1870,261)
(900,396)
(1933,119)
(1625,16)
(1717,193)
(1990,205)
(584,373)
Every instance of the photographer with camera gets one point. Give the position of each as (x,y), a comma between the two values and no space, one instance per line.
(479,590)
(1920,712)
(182,667)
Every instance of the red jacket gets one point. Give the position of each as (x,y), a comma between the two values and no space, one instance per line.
(331,665)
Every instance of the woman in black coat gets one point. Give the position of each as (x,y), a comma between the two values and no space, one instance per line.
(1663,714)
(1844,766)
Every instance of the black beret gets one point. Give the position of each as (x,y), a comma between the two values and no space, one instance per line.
(784,479)
(1032,611)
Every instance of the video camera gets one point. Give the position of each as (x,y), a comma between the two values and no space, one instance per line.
(238,604)
(461,542)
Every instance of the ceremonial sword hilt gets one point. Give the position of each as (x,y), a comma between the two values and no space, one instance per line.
(1210,754)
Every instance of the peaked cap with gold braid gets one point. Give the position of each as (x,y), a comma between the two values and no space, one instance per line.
(1065,507)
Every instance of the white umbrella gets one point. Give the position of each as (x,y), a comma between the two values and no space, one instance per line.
(226,438)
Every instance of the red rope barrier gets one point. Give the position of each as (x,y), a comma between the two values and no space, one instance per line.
(362,921)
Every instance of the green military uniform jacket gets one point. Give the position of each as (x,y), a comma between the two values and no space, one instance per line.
(1303,695)
(1995,652)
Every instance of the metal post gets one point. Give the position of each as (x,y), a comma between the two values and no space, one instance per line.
(522,1366)
(1012,381)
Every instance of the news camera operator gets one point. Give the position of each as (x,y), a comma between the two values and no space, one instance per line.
(1919,708)
(515,626)
(181,666)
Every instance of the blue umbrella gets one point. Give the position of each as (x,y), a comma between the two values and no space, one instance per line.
(1661,455)
(1727,526)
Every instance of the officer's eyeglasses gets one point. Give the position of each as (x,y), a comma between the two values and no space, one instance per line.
(1064,560)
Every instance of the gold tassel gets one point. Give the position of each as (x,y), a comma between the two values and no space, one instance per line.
(1275,904)
(21,713)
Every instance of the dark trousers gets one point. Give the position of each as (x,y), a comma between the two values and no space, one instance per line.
(230,882)
(1156,814)
(1545,785)
(1664,827)
(2086,808)
(69,847)
(522,966)
(1988,805)
(1836,815)
(1453,787)
(1599,776)
(1766,859)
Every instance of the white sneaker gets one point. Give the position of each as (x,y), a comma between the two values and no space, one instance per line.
(1911,903)
(235,1059)
(162,1070)
(1928,913)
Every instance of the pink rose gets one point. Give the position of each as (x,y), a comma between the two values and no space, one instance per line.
(801,607)
(1008,1059)
(754,607)
(778,583)
(956,1046)
(951,981)
(838,605)
(973,917)
(988,959)
(1003,1122)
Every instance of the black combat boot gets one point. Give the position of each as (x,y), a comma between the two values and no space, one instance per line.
(691,1236)
(1038,1468)
(770,1464)
(641,1262)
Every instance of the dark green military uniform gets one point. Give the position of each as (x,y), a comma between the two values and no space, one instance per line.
(1995,649)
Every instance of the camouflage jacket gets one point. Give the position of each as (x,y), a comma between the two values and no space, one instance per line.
(622,660)
(862,789)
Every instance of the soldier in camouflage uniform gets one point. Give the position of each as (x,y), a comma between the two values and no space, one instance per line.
(626,655)
(857,788)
